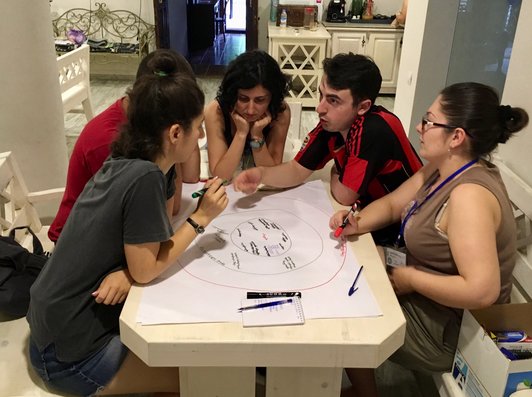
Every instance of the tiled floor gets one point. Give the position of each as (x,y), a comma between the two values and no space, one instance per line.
(212,60)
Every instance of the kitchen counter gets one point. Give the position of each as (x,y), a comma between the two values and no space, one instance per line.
(359,25)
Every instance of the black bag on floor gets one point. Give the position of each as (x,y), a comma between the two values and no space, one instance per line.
(18,270)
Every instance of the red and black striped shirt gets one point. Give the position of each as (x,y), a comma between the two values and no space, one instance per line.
(375,159)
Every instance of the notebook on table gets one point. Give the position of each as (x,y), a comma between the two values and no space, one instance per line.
(288,312)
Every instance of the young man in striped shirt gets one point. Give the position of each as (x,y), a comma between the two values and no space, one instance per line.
(371,152)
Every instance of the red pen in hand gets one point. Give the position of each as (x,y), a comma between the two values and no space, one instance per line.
(338,231)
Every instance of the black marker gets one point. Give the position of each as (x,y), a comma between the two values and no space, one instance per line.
(287,294)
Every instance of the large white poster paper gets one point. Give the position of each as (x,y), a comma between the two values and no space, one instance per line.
(268,241)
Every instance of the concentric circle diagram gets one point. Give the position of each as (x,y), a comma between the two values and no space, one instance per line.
(262,237)
(271,245)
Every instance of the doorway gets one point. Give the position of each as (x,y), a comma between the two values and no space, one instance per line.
(239,35)
(189,27)
(236,16)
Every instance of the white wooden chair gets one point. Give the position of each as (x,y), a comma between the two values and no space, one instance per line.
(17,209)
(521,196)
(74,81)
(17,204)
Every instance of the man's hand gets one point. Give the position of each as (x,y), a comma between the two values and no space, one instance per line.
(248,181)
(114,288)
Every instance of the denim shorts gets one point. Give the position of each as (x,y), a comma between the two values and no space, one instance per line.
(83,378)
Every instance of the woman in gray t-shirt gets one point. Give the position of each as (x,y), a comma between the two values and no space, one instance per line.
(120,225)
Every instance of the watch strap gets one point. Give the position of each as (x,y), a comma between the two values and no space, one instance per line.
(197,228)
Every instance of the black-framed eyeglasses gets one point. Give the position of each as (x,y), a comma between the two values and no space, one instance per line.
(426,124)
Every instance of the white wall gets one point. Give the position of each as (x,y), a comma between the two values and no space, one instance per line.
(264,17)
(427,43)
(143,8)
(517,151)
(31,111)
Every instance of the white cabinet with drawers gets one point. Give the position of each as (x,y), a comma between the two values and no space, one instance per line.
(382,44)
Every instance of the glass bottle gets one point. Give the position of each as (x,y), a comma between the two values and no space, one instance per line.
(283,19)
(357,6)
(273,10)
(368,10)
(308,21)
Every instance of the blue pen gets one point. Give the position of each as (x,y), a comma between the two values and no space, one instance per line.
(266,304)
(353,289)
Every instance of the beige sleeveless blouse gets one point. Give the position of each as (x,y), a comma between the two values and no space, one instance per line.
(428,248)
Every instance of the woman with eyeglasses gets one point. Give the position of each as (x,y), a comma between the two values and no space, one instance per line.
(457,227)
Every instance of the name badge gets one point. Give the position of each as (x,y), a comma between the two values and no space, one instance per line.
(394,257)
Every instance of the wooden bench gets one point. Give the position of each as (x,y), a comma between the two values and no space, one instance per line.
(521,196)
(117,27)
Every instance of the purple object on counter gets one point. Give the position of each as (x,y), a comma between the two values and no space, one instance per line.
(76,36)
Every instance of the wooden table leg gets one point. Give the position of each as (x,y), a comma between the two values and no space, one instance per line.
(303,382)
(217,381)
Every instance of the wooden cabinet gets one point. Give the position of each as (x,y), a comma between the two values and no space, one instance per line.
(300,54)
(383,45)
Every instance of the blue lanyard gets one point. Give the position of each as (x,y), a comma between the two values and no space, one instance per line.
(417,206)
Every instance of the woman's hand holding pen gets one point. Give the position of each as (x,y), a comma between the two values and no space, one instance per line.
(338,219)
(212,202)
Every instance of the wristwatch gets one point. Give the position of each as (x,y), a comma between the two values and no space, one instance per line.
(257,143)
(197,228)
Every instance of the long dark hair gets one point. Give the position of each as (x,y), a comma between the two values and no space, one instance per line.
(475,108)
(157,101)
(248,70)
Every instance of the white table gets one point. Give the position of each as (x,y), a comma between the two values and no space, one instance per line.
(219,359)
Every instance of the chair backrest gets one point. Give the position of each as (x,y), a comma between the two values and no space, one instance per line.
(521,196)
(294,138)
(74,79)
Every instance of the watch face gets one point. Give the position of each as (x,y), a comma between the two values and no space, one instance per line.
(256,143)
(200,229)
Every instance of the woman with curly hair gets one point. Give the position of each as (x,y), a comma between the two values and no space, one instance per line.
(248,121)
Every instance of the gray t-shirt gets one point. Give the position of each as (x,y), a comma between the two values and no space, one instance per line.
(125,203)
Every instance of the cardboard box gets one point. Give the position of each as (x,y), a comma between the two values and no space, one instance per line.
(479,368)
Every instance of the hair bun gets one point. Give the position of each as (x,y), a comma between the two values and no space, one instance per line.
(512,120)
(505,113)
